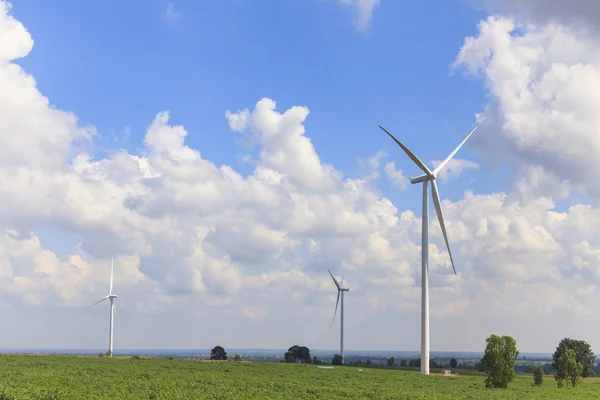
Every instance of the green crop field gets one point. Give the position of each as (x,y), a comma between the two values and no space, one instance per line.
(55,377)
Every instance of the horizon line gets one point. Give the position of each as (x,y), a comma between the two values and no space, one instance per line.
(15,349)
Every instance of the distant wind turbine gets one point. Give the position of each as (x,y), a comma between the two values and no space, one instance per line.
(110,297)
(341,291)
(429,176)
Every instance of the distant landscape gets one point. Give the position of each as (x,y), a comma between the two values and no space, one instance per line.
(466,360)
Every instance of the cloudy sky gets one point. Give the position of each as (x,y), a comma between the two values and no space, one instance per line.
(226,153)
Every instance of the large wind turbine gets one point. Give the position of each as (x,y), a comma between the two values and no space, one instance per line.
(341,291)
(429,176)
(110,297)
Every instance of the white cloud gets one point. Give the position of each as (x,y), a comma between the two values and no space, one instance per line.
(544,83)
(370,165)
(171,14)
(364,12)
(374,161)
(395,175)
(15,41)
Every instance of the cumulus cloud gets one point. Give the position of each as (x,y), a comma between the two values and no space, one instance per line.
(370,165)
(395,176)
(15,41)
(543,81)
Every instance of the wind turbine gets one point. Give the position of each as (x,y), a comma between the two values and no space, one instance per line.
(110,297)
(429,176)
(341,291)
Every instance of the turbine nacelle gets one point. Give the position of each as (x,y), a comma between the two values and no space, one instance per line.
(421,178)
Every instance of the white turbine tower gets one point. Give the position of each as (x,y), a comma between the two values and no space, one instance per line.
(110,297)
(429,176)
(341,291)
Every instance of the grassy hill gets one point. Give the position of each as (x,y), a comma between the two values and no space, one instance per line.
(56,377)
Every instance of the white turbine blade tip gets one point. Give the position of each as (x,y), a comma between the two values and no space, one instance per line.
(409,153)
(443,164)
(438,210)
(112,263)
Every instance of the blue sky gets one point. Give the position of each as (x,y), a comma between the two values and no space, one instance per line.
(200,245)
(115,70)
(116,66)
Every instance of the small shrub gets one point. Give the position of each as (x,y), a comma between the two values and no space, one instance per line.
(169,357)
(538,375)
(237,357)
(136,357)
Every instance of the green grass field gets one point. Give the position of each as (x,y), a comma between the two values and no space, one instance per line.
(55,377)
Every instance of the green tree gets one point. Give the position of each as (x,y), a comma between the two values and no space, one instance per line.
(237,357)
(298,354)
(337,360)
(390,361)
(569,369)
(453,363)
(403,363)
(583,355)
(218,353)
(316,361)
(538,375)
(369,363)
(499,361)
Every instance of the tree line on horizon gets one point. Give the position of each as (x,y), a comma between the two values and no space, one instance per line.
(572,361)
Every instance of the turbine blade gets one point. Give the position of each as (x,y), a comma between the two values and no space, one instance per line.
(334,280)
(443,164)
(409,153)
(343,277)
(336,306)
(111,275)
(438,210)
(102,299)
